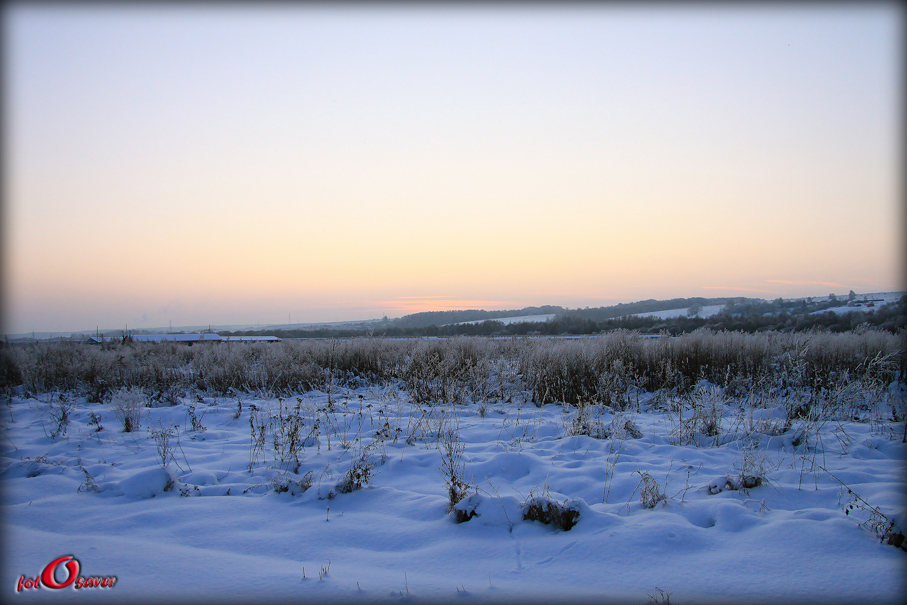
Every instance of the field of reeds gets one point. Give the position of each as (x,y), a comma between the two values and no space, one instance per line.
(608,369)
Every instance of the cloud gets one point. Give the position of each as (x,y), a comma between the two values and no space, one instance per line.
(417,304)
(793,282)
(424,297)
(738,289)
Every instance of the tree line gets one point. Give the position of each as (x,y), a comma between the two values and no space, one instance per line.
(741,315)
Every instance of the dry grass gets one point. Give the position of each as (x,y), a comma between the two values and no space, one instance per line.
(128,405)
(609,370)
(545,510)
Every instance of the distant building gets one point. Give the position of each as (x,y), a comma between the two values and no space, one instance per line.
(96,340)
(250,339)
(189,338)
(183,338)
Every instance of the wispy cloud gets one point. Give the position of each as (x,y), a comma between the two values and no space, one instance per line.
(802,282)
(739,289)
(418,304)
(442,296)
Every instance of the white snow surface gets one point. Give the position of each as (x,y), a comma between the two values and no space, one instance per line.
(511,320)
(862,301)
(220,533)
(706,311)
(176,337)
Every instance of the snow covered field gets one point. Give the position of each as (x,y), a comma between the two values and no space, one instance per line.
(878,299)
(512,320)
(709,498)
(706,311)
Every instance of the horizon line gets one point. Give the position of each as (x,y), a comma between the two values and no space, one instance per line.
(259,325)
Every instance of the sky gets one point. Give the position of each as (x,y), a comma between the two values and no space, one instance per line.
(242,164)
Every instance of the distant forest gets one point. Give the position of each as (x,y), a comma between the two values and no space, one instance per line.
(441,318)
(739,314)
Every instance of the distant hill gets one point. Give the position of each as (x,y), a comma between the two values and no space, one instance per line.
(441,318)
(651,306)
(887,311)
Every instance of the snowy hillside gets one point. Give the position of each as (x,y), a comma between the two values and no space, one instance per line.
(512,320)
(865,302)
(706,311)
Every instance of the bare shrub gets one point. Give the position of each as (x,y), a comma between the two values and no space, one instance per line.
(453,467)
(751,471)
(222,369)
(369,360)
(558,371)
(127,405)
(161,438)
(95,421)
(259,423)
(10,370)
(614,451)
(622,427)
(284,483)
(59,416)
(762,426)
(89,484)
(287,369)
(587,420)
(446,372)
(386,431)
(697,419)
(422,377)
(650,492)
(60,366)
(660,596)
(359,473)
(287,429)
(884,528)
(429,426)
(562,515)
(195,420)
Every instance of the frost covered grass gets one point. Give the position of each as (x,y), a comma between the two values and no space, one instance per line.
(609,369)
(460,469)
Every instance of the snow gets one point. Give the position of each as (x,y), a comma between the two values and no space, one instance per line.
(843,310)
(706,311)
(175,337)
(199,337)
(512,320)
(862,301)
(880,299)
(207,528)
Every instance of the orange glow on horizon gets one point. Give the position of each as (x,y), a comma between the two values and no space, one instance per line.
(739,289)
(791,282)
(422,304)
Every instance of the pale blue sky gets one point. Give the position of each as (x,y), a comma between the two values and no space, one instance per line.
(236,164)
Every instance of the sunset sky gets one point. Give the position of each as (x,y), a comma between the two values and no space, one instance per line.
(233,164)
